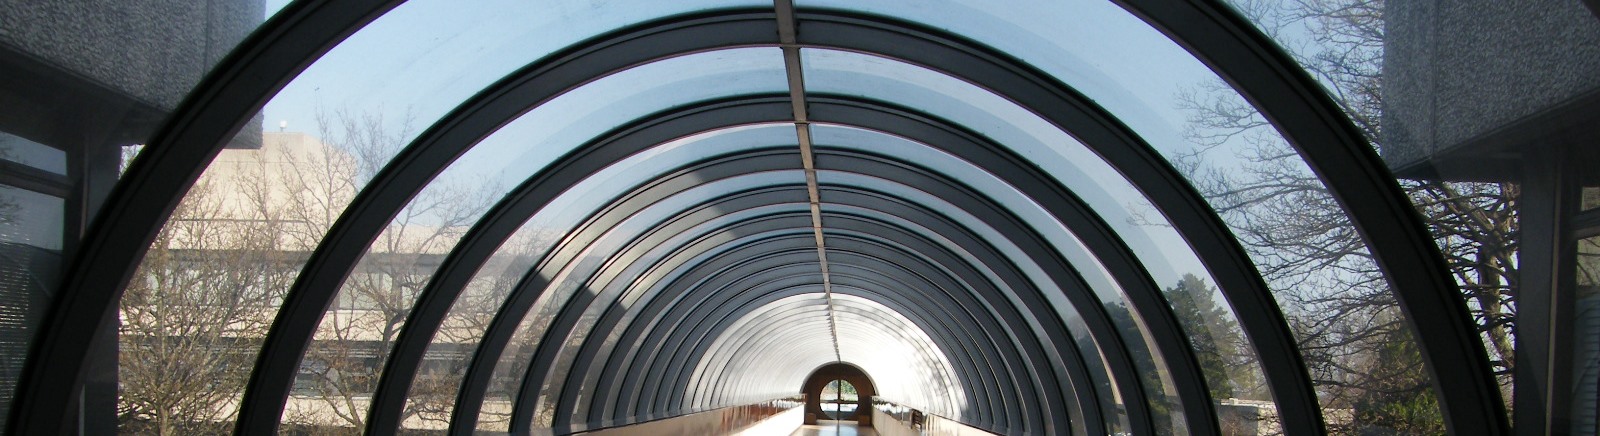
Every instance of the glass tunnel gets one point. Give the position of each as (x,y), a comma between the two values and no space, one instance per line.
(1078,217)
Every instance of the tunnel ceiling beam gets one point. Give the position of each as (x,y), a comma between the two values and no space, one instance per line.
(802,128)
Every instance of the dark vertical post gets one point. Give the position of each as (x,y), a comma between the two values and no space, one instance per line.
(93,165)
(1543,370)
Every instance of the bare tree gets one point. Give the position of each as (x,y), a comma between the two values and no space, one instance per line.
(200,304)
(358,333)
(197,309)
(1356,344)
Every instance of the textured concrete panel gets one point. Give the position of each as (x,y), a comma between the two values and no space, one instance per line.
(152,50)
(1457,70)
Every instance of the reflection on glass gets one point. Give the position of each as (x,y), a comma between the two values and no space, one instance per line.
(903,361)
(357,334)
(637,285)
(20,150)
(1586,338)
(30,259)
(839,399)
(591,195)
(1087,346)
(266,206)
(88,77)
(600,273)
(1231,368)
(1318,268)
(769,351)
(1029,135)
(1379,62)
(210,284)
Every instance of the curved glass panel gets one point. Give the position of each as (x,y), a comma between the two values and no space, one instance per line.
(673,247)
(808,346)
(991,393)
(1461,104)
(650,350)
(768,366)
(829,71)
(84,81)
(876,337)
(631,283)
(1450,97)
(1229,363)
(1266,192)
(575,277)
(31,239)
(423,58)
(911,366)
(244,229)
(357,334)
(643,288)
(433,393)
(1031,270)
(600,260)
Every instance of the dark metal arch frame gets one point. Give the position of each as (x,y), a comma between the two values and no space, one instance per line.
(1206,404)
(676,322)
(1467,399)
(672,377)
(810,274)
(938,328)
(885,328)
(496,226)
(798,250)
(1343,159)
(756,273)
(879,326)
(634,331)
(1149,172)
(517,305)
(151,188)
(244,422)
(584,231)
(586,357)
(576,306)
(668,375)
(999,423)
(994,429)
(1143,295)
(799,246)
(743,341)
(552,347)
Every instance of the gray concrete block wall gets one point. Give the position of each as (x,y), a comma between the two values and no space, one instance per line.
(152,50)
(1456,70)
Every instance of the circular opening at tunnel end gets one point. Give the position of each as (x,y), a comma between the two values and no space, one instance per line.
(839,391)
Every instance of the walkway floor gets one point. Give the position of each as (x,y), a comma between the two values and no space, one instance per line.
(833,428)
